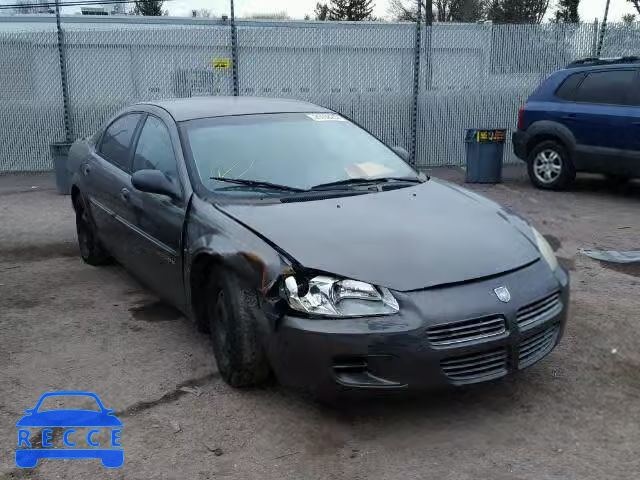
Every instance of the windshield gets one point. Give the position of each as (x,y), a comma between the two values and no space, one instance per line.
(298,150)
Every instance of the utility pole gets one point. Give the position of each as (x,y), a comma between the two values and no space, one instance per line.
(604,28)
(234,53)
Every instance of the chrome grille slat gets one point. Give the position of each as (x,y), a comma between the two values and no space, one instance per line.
(465,331)
(476,366)
(539,311)
(537,346)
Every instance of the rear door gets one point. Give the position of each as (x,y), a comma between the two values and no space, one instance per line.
(157,220)
(106,174)
(601,119)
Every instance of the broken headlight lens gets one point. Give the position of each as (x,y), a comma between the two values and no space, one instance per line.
(333,297)
(545,249)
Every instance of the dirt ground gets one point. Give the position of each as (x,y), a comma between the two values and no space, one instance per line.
(66,325)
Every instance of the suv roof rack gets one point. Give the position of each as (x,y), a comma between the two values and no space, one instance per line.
(591,61)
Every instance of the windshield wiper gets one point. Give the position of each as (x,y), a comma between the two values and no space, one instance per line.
(365,181)
(257,183)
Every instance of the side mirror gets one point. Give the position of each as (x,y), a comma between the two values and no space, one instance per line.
(402,152)
(154,181)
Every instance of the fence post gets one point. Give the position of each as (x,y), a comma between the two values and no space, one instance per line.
(63,77)
(234,54)
(416,86)
(594,46)
(604,28)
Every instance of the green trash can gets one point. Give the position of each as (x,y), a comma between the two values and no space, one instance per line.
(59,155)
(484,150)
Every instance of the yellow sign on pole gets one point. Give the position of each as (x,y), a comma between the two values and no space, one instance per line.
(221,63)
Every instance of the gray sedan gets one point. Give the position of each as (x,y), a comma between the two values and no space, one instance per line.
(311,251)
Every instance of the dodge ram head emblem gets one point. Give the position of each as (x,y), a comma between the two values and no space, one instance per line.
(503,294)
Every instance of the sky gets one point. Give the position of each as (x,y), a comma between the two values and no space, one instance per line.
(589,9)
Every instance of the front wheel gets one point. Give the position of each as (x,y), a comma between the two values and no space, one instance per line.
(233,315)
(549,166)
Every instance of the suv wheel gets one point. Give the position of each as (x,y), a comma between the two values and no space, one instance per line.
(549,166)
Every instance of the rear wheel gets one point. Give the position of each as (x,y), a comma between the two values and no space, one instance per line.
(549,166)
(91,249)
(232,313)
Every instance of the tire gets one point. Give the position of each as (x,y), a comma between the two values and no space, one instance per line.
(549,166)
(232,314)
(91,249)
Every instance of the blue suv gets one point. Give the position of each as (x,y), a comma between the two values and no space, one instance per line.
(584,118)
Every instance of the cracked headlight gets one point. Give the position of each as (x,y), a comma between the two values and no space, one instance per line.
(545,249)
(334,297)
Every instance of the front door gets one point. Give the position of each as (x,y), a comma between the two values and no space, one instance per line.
(156,220)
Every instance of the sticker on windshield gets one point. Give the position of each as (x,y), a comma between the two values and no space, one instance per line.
(326,117)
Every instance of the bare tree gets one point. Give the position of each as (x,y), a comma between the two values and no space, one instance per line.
(202,13)
(26,7)
(636,3)
(269,16)
(442,10)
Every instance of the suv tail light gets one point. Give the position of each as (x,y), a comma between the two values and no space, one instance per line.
(521,118)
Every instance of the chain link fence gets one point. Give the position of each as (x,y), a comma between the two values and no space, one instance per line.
(471,75)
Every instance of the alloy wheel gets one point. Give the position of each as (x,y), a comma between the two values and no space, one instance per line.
(547,166)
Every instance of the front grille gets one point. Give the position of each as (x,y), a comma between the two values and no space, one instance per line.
(476,367)
(539,311)
(466,331)
(537,346)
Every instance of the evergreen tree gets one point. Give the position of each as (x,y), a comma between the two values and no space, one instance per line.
(350,10)
(567,11)
(148,8)
(518,11)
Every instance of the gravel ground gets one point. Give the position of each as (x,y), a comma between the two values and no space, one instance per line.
(64,324)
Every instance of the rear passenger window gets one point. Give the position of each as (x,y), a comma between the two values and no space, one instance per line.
(612,87)
(568,88)
(116,141)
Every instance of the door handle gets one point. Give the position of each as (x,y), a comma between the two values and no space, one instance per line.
(570,116)
(635,123)
(125,195)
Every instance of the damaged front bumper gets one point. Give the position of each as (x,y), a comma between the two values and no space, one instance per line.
(453,335)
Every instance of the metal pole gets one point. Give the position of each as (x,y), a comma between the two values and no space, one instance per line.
(234,54)
(594,47)
(428,18)
(604,28)
(416,85)
(63,77)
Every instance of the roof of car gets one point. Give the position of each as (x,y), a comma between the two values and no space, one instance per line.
(182,109)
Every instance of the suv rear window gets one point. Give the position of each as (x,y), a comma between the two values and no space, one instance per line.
(611,87)
(567,90)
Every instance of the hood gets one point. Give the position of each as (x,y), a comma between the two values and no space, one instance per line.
(404,239)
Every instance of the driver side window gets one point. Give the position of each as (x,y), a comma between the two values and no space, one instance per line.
(154,150)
